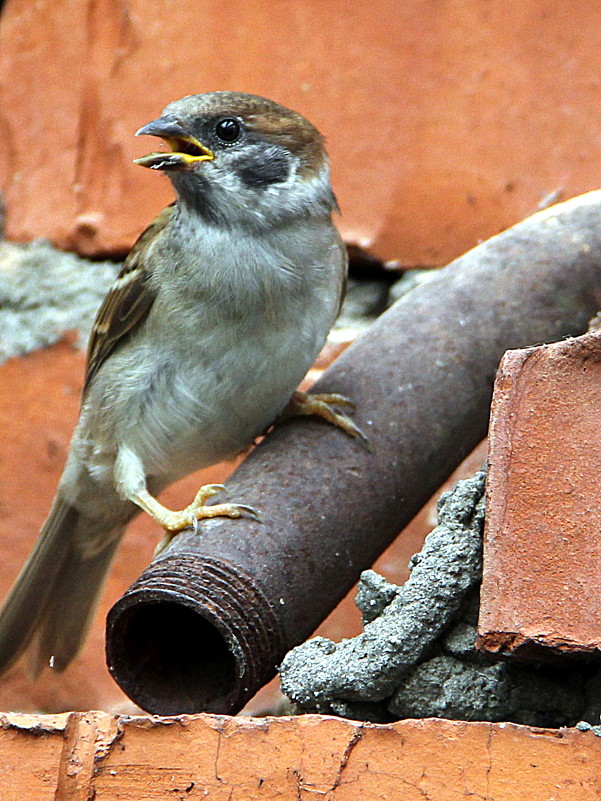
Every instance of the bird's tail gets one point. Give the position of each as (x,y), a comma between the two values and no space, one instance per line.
(49,608)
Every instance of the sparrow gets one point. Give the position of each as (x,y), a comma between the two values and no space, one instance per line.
(218,312)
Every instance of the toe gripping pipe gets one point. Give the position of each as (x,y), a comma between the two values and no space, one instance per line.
(207,623)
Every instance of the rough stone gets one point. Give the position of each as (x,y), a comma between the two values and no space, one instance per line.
(374,594)
(461,641)
(370,666)
(448,688)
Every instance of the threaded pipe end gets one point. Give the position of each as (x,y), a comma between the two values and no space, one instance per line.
(193,634)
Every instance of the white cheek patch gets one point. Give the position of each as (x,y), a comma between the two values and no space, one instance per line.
(300,194)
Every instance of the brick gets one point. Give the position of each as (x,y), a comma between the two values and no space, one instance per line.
(541,588)
(219,758)
(442,126)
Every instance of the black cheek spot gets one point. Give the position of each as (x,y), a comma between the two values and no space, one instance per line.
(261,170)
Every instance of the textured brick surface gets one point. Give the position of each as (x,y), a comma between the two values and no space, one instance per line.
(446,122)
(94,755)
(542,555)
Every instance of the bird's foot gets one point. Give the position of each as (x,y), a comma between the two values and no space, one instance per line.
(321,405)
(175,521)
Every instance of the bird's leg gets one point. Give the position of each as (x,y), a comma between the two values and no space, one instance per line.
(131,481)
(321,405)
(175,521)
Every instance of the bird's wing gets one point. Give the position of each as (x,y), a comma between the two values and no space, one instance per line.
(344,270)
(127,302)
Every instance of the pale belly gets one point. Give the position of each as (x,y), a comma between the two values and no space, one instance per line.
(201,402)
(213,413)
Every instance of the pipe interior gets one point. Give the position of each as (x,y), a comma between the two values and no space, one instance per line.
(171,660)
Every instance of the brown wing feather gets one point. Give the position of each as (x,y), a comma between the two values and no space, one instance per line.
(128,301)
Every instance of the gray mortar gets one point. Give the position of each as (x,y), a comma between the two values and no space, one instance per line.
(370,666)
(409,281)
(44,293)
(417,657)
(363,303)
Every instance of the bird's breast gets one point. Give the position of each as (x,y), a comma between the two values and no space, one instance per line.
(233,330)
(207,400)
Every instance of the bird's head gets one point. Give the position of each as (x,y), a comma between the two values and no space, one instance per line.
(241,158)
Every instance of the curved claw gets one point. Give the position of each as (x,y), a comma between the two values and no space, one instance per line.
(250,513)
(215,489)
(334,399)
(360,434)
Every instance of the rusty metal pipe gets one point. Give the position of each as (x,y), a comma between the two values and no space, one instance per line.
(205,625)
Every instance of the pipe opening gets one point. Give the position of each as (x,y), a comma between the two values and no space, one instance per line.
(171,660)
(193,634)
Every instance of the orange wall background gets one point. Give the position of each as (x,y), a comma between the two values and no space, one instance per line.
(446,121)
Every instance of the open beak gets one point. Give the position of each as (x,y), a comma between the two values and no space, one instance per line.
(185,149)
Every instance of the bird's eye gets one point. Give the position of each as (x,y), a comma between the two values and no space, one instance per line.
(228,129)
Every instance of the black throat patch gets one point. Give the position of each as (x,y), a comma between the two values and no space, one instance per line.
(262,169)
